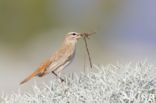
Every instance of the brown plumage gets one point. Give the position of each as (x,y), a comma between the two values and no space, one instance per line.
(59,60)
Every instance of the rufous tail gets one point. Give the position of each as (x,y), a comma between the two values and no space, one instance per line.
(40,71)
(31,76)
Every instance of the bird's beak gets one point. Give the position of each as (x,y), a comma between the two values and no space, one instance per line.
(78,36)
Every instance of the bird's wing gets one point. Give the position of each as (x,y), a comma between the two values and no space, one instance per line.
(40,70)
(63,63)
(60,58)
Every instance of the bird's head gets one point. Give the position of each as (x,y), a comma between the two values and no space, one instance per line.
(73,36)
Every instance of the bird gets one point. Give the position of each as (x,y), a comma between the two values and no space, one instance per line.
(59,60)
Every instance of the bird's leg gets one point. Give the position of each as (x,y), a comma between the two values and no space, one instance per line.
(62,80)
(63,86)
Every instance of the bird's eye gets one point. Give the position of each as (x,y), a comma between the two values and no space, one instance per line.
(74,34)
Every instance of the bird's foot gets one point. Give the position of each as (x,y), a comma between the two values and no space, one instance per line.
(62,80)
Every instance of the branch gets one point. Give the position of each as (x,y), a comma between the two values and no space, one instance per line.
(85,35)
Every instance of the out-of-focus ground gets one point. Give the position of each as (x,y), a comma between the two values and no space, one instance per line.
(30,31)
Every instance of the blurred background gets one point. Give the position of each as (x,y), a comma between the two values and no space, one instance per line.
(31,30)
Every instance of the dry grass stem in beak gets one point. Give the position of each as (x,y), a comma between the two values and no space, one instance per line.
(84,35)
(87,34)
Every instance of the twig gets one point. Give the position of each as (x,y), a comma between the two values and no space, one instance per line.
(87,51)
(84,68)
(87,34)
(84,38)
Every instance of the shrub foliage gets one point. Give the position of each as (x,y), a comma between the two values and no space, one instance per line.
(131,83)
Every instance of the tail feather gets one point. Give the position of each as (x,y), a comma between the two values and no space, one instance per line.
(31,76)
(40,71)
